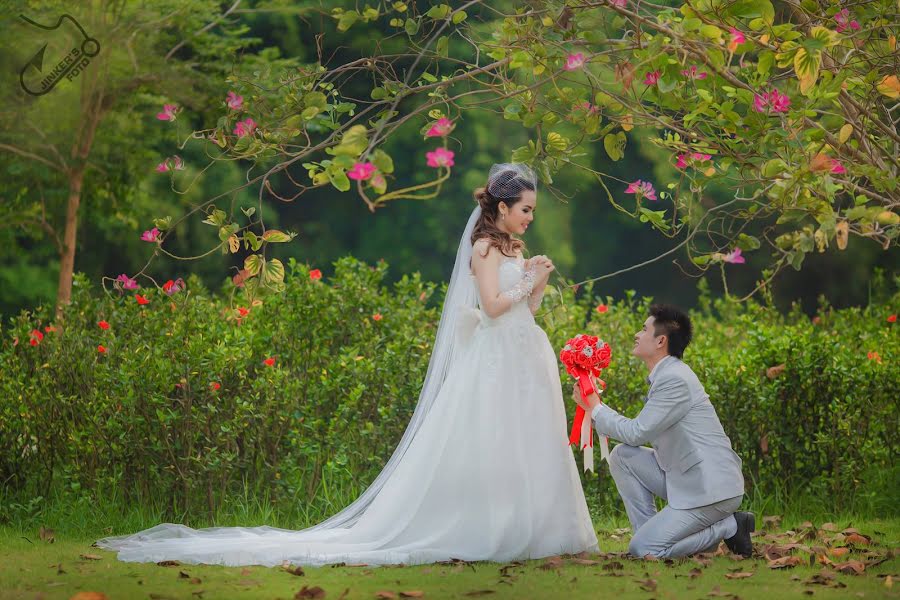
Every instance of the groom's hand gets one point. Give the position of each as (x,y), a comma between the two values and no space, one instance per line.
(587,404)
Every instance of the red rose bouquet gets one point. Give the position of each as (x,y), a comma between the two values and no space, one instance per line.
(585,357)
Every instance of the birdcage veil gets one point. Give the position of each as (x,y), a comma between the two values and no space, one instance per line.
(509,180)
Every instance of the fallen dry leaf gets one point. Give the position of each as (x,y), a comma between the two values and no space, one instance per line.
(648,585)
(553,562)
(46,534)
(839,552)
(584,562)
(309,593)
(412,594)
(851,567)
(785,562)
(772,521)
(89,596)
(889,582)
(90,556)
(738,575)
(856,539)
(385,595)
(479,593)
(695,573)
(298,570)
(830,527)
(612,566)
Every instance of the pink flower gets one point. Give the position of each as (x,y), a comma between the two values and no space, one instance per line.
(651,78)
(643,189)
(361,171)
(244,127)
(737,38)
(173,162)
(734,257)
(619,3)
(587,107)
(700,157)
(837,168)
(151,235)
(682,161)
(173,287)
(574,61)
(440,158)
(843,21)
(168,112)
(693,74)
(440,128)
(234,101)
(771,102)
(127,282)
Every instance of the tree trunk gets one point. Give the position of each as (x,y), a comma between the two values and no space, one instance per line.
(67,258)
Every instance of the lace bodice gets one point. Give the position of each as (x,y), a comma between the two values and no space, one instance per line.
(516,283)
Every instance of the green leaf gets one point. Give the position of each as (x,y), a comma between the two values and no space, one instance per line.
(272,272)
(382,161)
(254,242)
(353,143)
(275,236)
(440,49)
(347,20)
(411,26)
(309,113)
(216,218)
(747,242)
(766,60)
(806,66)
(339,180)
(249,212)
(555,143)
(439,12)
(614,144)
(254,263)
(379,93)
(227,231)
(163,224)
(458,17)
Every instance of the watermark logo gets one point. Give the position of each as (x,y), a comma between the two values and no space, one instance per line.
(72,56)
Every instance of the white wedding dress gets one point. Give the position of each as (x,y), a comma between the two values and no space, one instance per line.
(486,474)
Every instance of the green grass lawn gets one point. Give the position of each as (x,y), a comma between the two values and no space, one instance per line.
(33,568)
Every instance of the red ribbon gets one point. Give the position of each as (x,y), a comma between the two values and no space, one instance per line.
(587,388)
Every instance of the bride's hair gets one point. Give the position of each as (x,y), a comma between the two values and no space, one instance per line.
(508,186)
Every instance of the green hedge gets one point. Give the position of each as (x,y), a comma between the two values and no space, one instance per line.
(144,423)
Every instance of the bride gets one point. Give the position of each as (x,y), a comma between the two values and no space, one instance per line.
(484,470)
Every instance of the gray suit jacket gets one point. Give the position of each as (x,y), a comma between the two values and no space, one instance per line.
(681,424)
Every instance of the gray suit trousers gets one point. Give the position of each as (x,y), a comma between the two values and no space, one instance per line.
(671,532)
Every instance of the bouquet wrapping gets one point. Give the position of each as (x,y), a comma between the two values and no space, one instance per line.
(585,357)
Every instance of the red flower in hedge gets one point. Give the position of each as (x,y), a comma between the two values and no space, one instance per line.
(49,328)
(215,385)
(892,319)
(103,325)
(36,337)
(315,274)
(602,309)
(816,320)
(874,356)
(243,312)
(141,299)
(101,349)
(377,317)
(270,362)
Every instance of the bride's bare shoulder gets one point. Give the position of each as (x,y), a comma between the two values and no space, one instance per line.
(482,248)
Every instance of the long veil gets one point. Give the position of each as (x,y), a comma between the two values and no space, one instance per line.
(462,294)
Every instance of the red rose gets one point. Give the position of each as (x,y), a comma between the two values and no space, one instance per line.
(602,308)
(101,349)
(892,319)
(141,299)
(315,274)
(270,362)
(103,325)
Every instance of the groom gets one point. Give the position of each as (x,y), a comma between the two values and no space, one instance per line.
(691,465)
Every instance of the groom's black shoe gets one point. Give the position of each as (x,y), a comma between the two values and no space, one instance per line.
(740,542)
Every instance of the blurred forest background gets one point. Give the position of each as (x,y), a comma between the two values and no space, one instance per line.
(122,192)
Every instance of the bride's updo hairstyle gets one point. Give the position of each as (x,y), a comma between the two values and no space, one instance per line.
(506,182)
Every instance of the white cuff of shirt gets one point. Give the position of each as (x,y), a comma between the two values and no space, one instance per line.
(595,411)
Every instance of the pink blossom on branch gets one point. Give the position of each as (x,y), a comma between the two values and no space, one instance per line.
(734,257)
(844,22)
(245,127)
(692,73)
(643,189)
(682,161)
(234,101)
(773,101)
(737,38)
(651,78)
(837,168)
(440,128)
(151,235)
(361,171)
(168,112)
(619,3)
(440,158)
(127,282)
(574,61)
(173,287)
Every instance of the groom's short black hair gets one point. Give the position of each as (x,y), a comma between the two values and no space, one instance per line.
(675,324)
